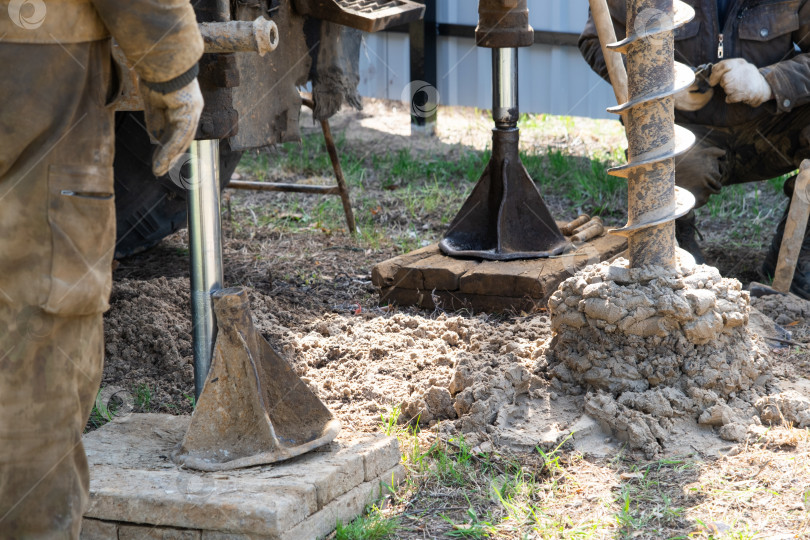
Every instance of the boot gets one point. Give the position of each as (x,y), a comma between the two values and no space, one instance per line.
(801,278)
(685,233)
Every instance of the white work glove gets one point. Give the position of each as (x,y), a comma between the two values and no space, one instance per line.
(742,82)
(692,100)
(171,120)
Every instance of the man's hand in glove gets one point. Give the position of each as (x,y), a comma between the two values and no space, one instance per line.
(171,119)
(692,99)
(742,82)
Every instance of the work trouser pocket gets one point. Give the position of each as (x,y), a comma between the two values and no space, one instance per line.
(81,215)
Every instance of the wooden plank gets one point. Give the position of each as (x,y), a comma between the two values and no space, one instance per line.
(537,278)
(418,277)
(383,274)
(453,301)
(442,272)
(505,278)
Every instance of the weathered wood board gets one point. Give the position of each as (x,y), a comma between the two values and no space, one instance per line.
(429,279)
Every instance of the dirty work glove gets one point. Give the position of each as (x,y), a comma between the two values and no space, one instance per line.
(691,99)
(171,119)
(742,82)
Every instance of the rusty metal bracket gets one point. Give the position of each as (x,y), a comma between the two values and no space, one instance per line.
(341,188)
(503,23)
(365,15)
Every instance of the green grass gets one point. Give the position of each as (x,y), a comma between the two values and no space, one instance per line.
(421,192)
(191,400)
(473,528)
(645,499)
(464,493)
(143,398)
(373,525)
(103,412)
(502,497)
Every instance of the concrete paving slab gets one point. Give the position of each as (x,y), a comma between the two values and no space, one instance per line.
(134,482)
(345,508)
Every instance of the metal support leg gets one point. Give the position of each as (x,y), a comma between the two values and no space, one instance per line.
(341,181)
(205,250)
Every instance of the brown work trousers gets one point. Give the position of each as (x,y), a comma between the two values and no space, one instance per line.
(57,235)
(756,151)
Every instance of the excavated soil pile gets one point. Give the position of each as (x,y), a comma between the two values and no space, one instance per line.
(492,378)
(147,336)
(655,349)
(438,369)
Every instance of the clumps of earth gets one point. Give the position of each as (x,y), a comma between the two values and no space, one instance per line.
(495,379)
(656,350)
(147,337)
(450,369)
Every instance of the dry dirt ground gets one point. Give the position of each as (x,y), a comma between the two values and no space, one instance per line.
(480,381)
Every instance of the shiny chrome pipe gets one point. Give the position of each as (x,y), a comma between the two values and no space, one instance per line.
(505,110)
(205,250)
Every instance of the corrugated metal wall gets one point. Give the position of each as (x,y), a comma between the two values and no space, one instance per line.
(553,80)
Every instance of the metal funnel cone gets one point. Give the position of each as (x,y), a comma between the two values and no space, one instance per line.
(253,409)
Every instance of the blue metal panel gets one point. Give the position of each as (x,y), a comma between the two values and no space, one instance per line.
(553,80)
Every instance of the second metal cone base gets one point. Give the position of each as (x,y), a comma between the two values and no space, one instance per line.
(505,217)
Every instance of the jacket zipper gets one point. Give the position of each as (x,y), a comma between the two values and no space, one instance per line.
(721,47)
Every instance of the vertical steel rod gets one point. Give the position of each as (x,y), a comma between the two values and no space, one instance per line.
(505,110)
(423,38)
(205,250)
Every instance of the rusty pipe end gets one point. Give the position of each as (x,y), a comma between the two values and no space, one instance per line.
(259,36)
(266,33)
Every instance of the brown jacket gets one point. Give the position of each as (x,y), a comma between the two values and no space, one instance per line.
(761,31)
(160,39)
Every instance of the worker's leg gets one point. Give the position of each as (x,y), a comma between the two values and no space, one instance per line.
(725,156)
(756,152)
(57,218)
(770,148)
(701,171)
(789,144)
(51,370)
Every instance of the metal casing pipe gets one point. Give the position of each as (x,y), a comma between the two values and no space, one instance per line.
(205,252)
(505,108)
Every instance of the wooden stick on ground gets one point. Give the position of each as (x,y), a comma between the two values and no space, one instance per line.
(794,230)
(568,228)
